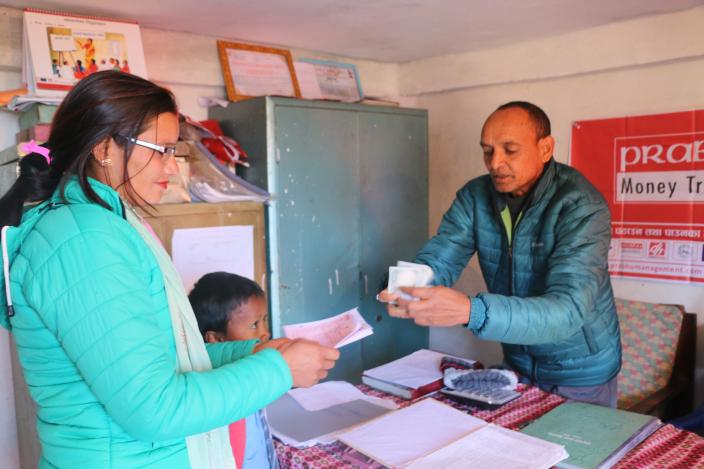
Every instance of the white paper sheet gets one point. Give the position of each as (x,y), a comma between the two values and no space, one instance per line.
(399,437)
(495,447)
(414,370)
(297,427)
(336,331)
(330,393)
(198,251)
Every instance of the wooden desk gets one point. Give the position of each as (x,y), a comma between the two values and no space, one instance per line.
(668,447)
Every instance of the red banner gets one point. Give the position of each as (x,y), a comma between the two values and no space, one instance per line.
(650,169)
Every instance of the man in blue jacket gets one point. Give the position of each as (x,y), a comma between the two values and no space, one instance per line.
(542,234)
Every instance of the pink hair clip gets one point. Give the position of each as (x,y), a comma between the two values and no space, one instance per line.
(34,147)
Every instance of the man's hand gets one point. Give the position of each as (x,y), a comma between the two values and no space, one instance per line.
(436,306)
(308,361)
(392,304)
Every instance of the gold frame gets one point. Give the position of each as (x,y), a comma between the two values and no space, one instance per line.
(232,93)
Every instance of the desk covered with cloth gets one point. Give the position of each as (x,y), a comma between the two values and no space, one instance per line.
(668,447)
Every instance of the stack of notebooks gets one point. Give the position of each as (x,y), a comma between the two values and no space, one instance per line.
(412,376)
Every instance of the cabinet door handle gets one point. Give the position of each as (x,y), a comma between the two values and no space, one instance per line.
(366,285)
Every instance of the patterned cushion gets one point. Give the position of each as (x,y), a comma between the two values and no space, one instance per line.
(649,334)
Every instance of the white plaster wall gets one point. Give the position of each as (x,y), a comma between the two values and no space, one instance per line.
(10,44)
(652,65)
(188,64)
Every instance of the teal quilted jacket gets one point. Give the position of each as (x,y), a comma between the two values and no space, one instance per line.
(95,341)
(550,301)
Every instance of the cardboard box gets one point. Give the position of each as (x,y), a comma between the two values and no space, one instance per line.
(39,133)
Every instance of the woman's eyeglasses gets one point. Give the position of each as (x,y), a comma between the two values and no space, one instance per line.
(165,151)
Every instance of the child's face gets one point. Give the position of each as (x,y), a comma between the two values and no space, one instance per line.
(249,321)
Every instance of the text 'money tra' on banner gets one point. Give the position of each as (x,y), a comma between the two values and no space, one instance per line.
(650,169)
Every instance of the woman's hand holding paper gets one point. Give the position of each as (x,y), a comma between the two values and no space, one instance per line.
(308,361)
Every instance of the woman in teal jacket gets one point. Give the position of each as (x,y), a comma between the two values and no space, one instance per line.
(105,335)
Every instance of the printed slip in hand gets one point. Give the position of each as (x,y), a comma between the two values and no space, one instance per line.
(408,274)
(336,331)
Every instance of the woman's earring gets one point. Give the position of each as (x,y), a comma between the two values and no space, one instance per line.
(105,162)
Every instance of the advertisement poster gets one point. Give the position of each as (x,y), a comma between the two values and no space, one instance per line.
(650,169)
(60,49)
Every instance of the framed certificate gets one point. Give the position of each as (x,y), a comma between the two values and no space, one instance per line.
(335,80)
(251,70)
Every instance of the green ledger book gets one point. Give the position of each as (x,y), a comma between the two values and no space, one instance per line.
(594,436)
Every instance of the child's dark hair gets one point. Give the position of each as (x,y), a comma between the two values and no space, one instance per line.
(218,294)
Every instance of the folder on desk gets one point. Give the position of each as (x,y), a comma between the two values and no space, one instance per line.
(298,427)
(596,437)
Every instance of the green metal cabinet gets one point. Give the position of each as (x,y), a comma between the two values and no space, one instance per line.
(350,197)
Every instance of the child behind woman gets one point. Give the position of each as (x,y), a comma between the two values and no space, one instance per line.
(229,307)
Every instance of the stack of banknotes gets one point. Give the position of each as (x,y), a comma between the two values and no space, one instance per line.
(408,274)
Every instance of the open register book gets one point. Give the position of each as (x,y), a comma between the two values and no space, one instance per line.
(430,435)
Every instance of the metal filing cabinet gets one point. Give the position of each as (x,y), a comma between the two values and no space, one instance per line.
(350,197)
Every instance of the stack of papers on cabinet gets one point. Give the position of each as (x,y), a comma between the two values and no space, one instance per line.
(22,102)
(430,435)
(212,181)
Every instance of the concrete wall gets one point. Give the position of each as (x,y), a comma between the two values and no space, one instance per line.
(645,66)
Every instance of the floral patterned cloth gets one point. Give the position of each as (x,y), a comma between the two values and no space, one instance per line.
(649,335)
(669,447)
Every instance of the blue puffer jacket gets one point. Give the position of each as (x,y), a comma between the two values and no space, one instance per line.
(550,300)
(96,345)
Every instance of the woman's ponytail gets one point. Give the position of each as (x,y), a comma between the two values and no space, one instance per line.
(34,183)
